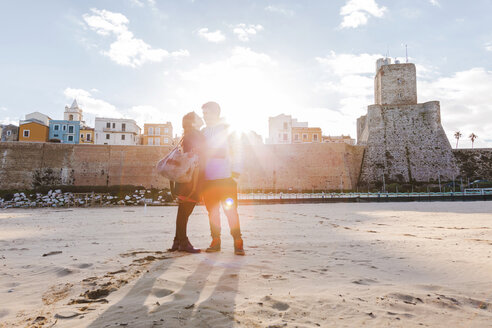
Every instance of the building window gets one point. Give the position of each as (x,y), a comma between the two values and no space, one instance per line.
(304,136)
(151,131)
(123,127)
(114,125)
(151,141)
(81,136)
(64,128)
(88,137)
(107,136)
(70,118)
(123,137)
(286,126)
(9,133)
(26,133)
(56,127)
(157,141)
(70,138)
(296,137)
(166,140)
(166,130)
(315,137)
(157,131)
(55,135)
(70,129)
(108,125)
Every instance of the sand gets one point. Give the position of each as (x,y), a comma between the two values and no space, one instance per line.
(324,265)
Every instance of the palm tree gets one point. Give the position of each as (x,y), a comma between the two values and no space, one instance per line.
(473,136)
(457,135)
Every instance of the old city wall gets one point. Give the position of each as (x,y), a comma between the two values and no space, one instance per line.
(318,166)
(25,165)
(475,163)
(406,143)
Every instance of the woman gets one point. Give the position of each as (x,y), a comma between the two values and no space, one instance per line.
(188,194)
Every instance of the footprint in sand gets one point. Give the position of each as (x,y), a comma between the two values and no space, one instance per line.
(274,304)
(364,281)
(161,292)
(408,299)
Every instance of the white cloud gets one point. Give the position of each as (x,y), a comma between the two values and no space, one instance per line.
(466,104)
(137,3)
(435,3)
(215,37)
(488,46)
(9,120)
(91,105)
(280,10)
(357,12)
(244,31)
(126,50)
(347,64)
(3,108)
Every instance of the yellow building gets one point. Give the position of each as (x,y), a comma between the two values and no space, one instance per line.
(306,135)
(33,131)
(157,134)
(86,135)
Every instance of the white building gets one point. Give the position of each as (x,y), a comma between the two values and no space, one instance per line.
(116,131)
(37,117)
(280,128)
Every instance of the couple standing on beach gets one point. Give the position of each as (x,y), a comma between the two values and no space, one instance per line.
(213,181)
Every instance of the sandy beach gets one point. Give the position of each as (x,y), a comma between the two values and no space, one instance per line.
(323,265)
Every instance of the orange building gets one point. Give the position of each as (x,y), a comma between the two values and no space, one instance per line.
(157,134)
(33,131)
(306,135)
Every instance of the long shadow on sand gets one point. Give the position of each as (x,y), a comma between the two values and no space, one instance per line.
(179,309)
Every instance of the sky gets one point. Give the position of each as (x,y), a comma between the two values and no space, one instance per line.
(154,61)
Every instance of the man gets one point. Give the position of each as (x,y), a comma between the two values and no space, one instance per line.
(221,170)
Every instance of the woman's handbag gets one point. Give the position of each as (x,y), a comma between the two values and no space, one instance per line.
(177,165)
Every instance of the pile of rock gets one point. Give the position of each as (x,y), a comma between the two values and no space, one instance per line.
(57,198)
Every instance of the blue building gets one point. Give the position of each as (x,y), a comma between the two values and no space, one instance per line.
(68,129)
(65,131)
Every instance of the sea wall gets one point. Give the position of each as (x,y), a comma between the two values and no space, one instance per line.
(25,165)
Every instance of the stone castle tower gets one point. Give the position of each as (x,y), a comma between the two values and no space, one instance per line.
(404,140)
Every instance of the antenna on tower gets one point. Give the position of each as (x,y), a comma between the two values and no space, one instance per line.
(406,52)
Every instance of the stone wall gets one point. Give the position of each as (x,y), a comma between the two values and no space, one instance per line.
(406,143)
(475,163)
(26,165)
(319,166)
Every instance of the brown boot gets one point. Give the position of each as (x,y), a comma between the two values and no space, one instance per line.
(238,247)
(214,246)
